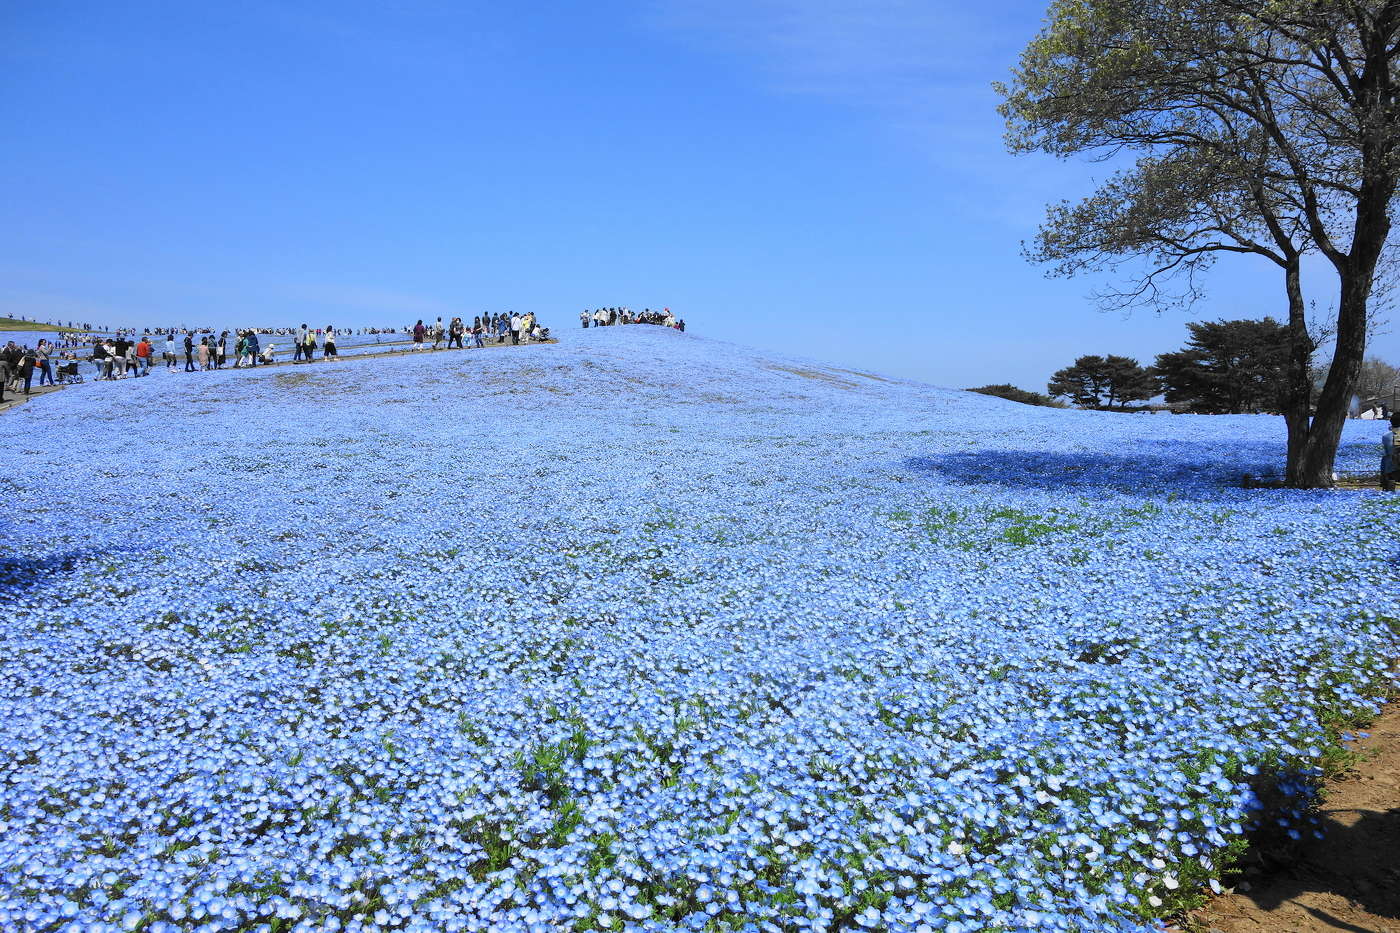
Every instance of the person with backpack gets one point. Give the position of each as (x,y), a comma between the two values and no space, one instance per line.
(308,345)
(26,367)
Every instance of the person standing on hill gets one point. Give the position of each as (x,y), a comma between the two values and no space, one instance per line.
(26,368)
(203,353)
(119,356)
(11,357)
(143,355)
(1390,455)
(189,352)
(514,329)
(99,356)
(328,349)
(41,355)
(170,350)
(454,333)
(297,343)
(583,317)
(252,347)
(221,356)
(308,346)
(418,332)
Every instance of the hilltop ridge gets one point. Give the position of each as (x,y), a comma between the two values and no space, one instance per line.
(15,324)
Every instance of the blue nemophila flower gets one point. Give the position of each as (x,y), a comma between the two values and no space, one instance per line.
(649,633)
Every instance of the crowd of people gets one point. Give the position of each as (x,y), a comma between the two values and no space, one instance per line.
(80,340)
(126,354)
(19,364)
(518,328)
(605,317)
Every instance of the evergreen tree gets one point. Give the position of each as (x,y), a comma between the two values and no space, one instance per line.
(1228,367)
(1103,382)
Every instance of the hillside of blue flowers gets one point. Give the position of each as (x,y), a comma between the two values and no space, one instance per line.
(643,631)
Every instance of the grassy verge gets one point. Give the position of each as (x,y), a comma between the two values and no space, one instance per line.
(9,323)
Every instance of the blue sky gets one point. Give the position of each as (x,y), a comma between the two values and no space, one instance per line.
(819,177)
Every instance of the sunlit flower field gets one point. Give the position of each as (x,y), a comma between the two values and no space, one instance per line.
(643,631)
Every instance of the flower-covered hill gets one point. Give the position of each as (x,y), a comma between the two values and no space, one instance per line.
(643,631)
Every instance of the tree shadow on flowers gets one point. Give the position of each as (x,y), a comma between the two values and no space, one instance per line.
(27,570)
(1190,470)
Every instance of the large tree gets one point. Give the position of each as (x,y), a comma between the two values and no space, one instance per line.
(1228,367)
(1102,382)
(1260,127)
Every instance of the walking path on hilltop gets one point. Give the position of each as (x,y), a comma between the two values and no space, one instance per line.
(15,399)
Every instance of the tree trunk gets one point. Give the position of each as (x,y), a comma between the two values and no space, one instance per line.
(1320,451)
(1297,399)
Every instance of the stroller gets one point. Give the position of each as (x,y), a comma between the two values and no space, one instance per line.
(67,372)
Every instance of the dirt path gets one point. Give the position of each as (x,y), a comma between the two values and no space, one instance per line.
(15,399)
(1349,880)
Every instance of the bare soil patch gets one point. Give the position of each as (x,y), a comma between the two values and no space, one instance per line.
(816,374)
(1349,880)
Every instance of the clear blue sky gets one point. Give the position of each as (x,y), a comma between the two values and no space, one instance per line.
(826,178)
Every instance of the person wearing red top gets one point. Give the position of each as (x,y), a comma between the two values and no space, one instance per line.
(143,356)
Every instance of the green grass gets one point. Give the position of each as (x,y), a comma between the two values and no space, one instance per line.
(9,323)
